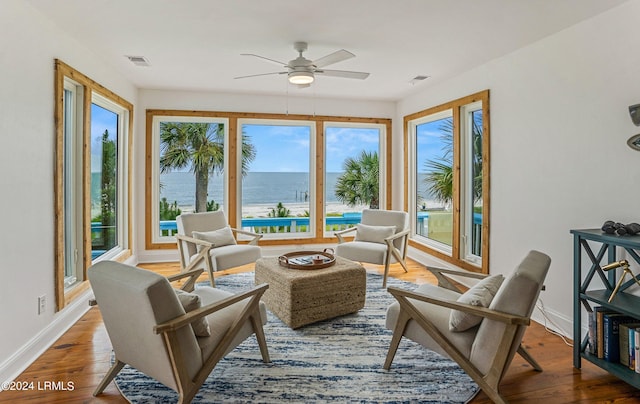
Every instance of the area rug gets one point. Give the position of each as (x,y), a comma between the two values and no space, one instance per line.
(337,360)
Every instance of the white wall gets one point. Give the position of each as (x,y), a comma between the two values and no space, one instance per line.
(559,125)
(207,101)
(28,47)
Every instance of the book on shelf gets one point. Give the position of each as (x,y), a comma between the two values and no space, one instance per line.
(627,343)
(611,335)
(599,334)
(632,348)
(636,346)
(592,346)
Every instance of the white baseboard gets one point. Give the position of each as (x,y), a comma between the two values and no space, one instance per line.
(552,319)
(11,369)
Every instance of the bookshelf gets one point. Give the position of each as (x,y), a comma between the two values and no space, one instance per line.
(600,249)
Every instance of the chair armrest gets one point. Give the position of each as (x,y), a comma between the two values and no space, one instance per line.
(401,295)
(193,240)
(341,233)
(255,236)
(403,233)
(446,282)
(181,321)
(190,283)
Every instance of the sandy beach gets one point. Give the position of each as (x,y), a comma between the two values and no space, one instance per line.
(296,209)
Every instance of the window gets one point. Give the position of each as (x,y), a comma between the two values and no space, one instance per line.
(448,179)
(272,176)
(72,182)
(108,190)
(278,183)
(91,179)
(190,174)
(355,166)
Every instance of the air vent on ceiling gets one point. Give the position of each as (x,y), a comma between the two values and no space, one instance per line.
(418,78)
(138,60)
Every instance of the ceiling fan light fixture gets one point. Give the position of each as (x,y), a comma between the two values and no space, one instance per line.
(301,78)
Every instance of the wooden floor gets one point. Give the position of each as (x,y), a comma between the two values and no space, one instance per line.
(82,355)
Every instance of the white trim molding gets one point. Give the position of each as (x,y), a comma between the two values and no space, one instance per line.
(11,369)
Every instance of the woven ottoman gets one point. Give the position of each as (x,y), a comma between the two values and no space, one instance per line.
(299,297)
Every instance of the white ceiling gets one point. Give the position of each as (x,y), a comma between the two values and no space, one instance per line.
(196,44)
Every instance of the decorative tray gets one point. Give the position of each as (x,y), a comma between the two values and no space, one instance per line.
(307,259)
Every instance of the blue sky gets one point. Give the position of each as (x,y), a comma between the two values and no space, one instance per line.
(286,148)
(101,119)
(429,144)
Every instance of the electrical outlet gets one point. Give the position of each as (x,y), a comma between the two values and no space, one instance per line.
(42,304)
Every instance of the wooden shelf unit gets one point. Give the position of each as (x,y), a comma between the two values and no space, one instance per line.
(585,298)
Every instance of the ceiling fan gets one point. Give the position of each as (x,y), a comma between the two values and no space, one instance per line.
(301,71)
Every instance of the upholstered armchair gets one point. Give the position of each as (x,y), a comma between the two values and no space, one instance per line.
(380,238)
(481,329)
(174,336)
(205,240)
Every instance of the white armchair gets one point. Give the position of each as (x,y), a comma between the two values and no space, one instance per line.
(153,328)
(380,238)
(205,240)
(481,329)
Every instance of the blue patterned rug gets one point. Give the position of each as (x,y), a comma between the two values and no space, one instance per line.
(338,360)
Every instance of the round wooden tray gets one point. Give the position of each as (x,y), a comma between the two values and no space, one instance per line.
(293,260)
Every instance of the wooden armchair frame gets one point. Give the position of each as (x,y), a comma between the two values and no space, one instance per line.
(488,381)
(187,388)
(205,251)
(391,249)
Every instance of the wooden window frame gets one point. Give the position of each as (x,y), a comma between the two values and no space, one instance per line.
(233,215)
(64,297)
(455,106)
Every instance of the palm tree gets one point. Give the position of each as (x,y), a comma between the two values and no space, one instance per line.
(439,177)
(279,211)
(359,182)
(199,147)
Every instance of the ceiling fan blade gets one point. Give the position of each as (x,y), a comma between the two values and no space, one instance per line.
(335,57)
(264,58)
(344,74)
(262,74)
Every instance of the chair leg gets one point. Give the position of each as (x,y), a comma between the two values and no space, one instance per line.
(115,369)
(400,259)
(262,342)
(209,266)
(398,331)
(387,262)
(527,356)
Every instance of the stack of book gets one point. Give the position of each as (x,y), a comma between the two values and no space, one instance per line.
(614,337)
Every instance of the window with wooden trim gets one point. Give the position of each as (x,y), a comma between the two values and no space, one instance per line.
(92,179)
(272,180)
(447,177)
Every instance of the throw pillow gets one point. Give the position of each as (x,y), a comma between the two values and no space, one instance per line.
(479,295)
(190,302)
(373,234)
(218,238)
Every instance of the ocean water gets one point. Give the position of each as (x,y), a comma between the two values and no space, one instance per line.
(258,188)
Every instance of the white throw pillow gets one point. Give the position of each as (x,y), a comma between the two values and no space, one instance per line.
(373,234)
(190,302)
(479,295)
(218,237)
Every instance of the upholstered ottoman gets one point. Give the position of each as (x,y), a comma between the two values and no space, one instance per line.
(299,297)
